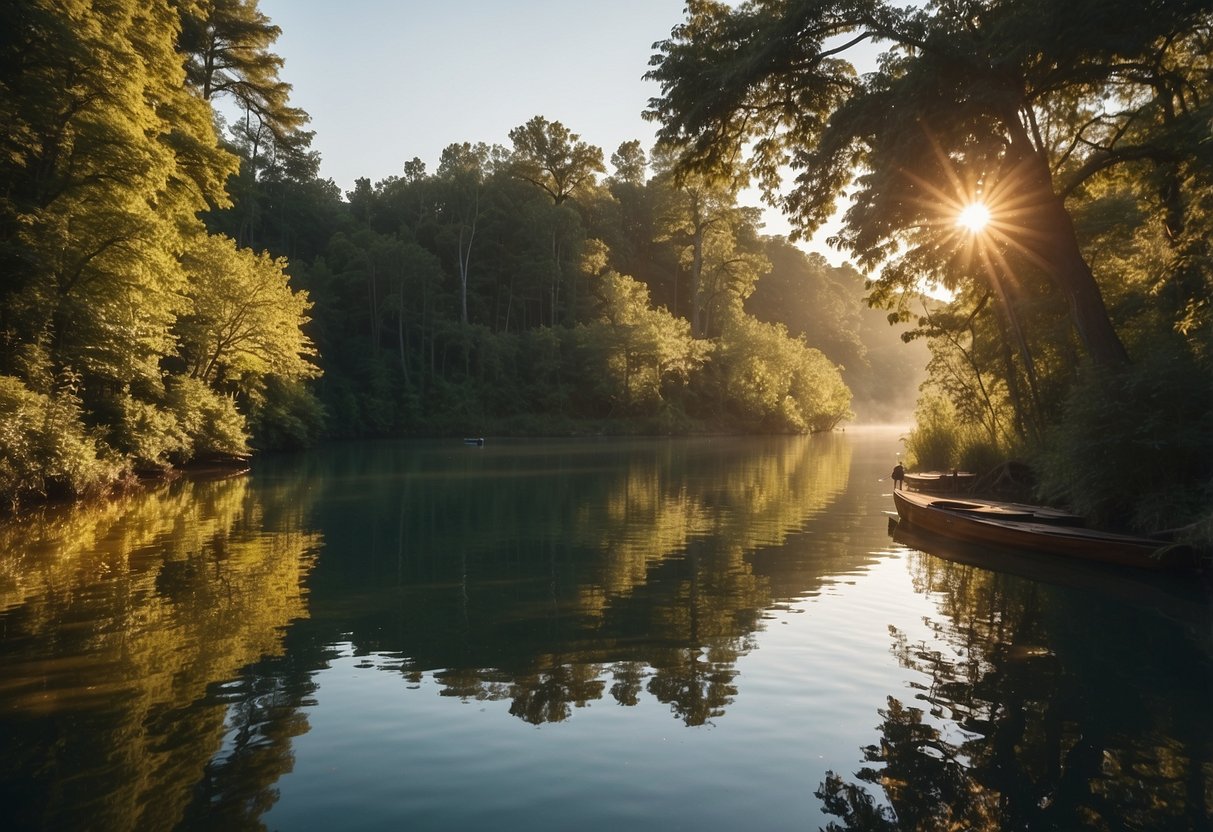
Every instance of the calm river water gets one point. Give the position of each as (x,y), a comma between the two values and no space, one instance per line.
(700,634)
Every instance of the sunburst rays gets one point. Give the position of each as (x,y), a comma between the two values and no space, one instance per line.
(983,216)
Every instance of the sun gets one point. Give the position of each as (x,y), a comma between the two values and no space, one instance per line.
(974,217)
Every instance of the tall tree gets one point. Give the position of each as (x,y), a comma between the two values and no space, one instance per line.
(462,170)
(555,160)
(551,157)
(228,47)
(700,216)
(630,163)
(108,158)
(962,107)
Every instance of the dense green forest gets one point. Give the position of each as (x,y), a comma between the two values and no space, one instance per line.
(147,318)
(179,282)
(520,289)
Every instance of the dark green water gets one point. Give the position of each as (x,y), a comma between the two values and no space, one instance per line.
(707,634)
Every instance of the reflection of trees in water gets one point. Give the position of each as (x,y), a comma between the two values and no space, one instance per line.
(537,573)
(545,694)
(1033,717)
(236,786)
(707,619)
(116,620)
(150,680)
(696,687)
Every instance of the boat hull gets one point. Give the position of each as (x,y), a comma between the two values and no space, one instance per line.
(950,519)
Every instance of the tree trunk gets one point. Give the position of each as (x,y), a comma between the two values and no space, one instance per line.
(697,301)
(1046,232)
(402,341)
(465,259)
(1073,276)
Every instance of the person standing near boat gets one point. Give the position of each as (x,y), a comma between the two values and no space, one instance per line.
(898,475)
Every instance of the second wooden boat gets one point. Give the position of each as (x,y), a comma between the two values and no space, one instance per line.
(940,481)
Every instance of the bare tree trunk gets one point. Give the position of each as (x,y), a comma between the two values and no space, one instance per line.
(402,341)
(373,292)
(465,258)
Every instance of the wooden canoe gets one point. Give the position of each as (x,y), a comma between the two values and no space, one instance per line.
(1029,528)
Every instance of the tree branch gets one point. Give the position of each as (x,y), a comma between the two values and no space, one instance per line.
(1111,157)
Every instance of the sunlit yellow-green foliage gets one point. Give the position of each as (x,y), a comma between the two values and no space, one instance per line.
(209,419)
(44,447)
(190,420)
(149,599)
(778,381)
(243,319)
(634,350)
(128,157)
(109,156)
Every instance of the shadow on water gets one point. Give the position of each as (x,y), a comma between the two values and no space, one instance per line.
(1045,708)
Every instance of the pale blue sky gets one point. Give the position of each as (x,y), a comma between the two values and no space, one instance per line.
(388,80)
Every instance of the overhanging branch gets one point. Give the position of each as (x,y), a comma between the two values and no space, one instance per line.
(1109,158)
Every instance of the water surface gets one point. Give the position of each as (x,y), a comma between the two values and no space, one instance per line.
(690,633)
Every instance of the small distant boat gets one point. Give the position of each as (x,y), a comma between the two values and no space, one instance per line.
(478,441)
(1034,529)
(940,481)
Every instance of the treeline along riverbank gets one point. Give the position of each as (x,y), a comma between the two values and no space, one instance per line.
(177,286)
